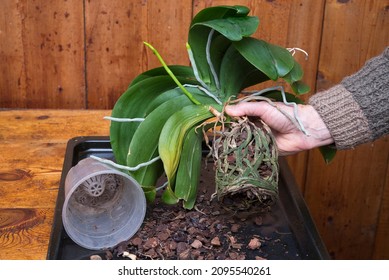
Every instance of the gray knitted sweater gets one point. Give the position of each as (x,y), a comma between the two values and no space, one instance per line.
(357,110)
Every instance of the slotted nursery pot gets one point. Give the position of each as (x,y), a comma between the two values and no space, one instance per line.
(169,127)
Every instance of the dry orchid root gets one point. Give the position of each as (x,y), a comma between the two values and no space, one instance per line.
(246,157)
(246,163)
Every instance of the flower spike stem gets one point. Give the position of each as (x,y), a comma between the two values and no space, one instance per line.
(187,93)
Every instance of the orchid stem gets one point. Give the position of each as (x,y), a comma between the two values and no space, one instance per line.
(187,93)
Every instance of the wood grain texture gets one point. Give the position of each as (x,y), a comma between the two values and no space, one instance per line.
(21,232)
(381,245)
(304,31)
(346,197)
(41,54)
(52,125)
(25,176)
(33,144)
(115,53)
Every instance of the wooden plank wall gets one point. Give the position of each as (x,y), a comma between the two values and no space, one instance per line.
(349,198)
(83,54)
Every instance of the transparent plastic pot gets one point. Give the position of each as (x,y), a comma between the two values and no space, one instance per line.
(103,206)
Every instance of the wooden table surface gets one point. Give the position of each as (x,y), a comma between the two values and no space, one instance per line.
(33,144)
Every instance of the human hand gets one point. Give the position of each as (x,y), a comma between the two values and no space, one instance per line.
(289,137)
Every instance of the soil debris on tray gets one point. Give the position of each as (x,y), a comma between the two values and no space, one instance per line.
(170,232)
(210,231)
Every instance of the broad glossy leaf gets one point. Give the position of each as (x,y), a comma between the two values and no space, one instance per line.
(163,97)
(169,197)
(219,46)
(300,87)
(233,28)
(231,20)
(198,42)
(270,59)
(178,70)
(296,74)
(188,173)
(144,144)
(173,133)
(220,12)
(133,104)
(294,79)
(236,73)
(150,193)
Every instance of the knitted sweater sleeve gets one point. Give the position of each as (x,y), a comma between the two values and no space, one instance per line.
(357,110)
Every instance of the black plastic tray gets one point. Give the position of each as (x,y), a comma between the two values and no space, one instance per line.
(290,215)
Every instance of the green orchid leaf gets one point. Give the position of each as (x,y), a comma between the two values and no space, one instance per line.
(219,46)
(294,79)
(253,77)
(233,28)
(328,152)
(188,172)
(277,96)
(296,74)
(230,21)
(236,73)
(300,87)
(161,98)
(185,72)
(144,143)
(131,104)
(218,12)
(270,59)
(198,41)
(172,136)
(150,193)
(168,196)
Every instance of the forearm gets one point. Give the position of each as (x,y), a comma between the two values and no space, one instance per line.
(356,111)
(343,117)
